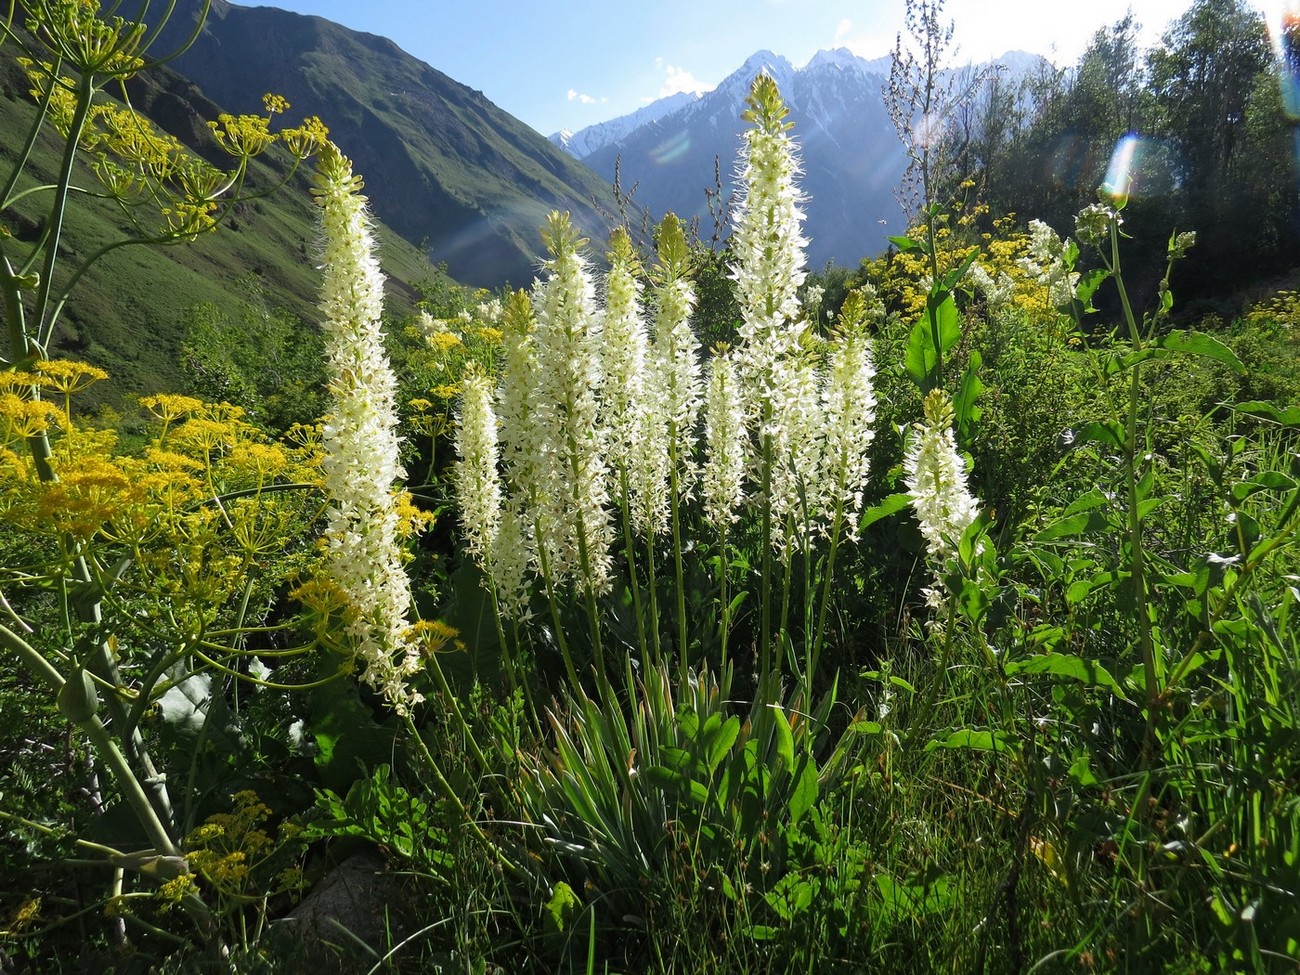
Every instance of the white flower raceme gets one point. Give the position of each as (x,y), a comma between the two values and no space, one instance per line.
(636,449)
(768,242)
(795,433)
(474,477)
(571,504)
(935,475)
(1046,264)
(677,362)
(848,411)
(722,478)
(360,438)
(997,292)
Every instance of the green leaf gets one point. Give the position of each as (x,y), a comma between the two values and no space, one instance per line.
(675,782)
(1289,417)
(722,742)
(561,908)
(784,737)
(1089,672)
(1076,524)
(1107,433)
(1200,344)
(968,738)
(891,505)
(921,356)
(905,244)
(805,791)
(964,405)
(1264,481)
(1088,284)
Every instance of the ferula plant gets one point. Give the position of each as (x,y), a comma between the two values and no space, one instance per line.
(128,576)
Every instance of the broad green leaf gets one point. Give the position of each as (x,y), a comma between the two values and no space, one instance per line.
(1086,502)
(722,742)
(784,737)
(891,505)
(1088,284)
(1089,672)
(1264,481)
(1073,525)
(1289,417)
(965,406)
(1108,432)
(673,781)
(1206,346)
(561,907)
(921,356)
(905,244)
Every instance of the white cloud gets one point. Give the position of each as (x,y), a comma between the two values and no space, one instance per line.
(677,79)
(582,99)
(842,30)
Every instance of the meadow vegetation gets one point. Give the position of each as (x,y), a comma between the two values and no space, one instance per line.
(926,619)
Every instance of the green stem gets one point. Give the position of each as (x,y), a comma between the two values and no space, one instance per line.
(674,513)
(1137,557)
(629,545)
(450,795)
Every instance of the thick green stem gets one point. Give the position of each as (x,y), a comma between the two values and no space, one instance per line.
(1137,554)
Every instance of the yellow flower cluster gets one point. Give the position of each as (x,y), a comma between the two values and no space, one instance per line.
(903,279)
(235,855)
(199,512)
(149,171)
(445,350)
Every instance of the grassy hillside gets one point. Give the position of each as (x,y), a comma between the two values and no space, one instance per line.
(128,313)
(444,166)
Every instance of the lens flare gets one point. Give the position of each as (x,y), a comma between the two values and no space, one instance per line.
(1288,50)
(1139,166)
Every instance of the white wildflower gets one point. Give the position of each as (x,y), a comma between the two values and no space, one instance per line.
(936,480)
(571,501)
(848,411)
(677,363)
(723,474)
(474,476)
(360,438)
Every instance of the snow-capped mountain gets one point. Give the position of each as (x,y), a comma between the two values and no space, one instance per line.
(586,141)
(852,159)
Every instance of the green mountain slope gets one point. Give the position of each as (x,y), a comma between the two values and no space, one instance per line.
(128,314)
(443,166)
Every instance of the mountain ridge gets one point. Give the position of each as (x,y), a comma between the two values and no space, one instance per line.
(850,152)
(444,166)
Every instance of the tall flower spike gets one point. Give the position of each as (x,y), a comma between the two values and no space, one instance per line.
(848,410)
(676,354)
(360,439)
(768,242)
(936,482)
(723,476)
(571,502)
(636,432)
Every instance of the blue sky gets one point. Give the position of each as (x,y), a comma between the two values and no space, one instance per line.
(571,64)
